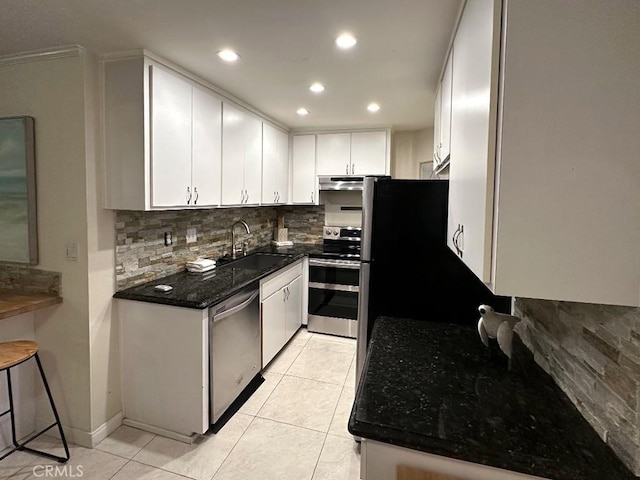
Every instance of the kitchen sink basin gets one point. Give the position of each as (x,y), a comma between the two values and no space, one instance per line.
(256,261)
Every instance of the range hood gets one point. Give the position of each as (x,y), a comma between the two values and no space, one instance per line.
(340,183)
(329,182)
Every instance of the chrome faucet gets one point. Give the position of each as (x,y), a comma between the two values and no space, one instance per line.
(243,249)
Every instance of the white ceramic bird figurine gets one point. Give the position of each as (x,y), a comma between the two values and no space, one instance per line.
(497,325)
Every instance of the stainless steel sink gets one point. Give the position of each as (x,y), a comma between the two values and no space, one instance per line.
(256,261)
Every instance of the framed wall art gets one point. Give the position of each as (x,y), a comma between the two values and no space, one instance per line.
(18,225)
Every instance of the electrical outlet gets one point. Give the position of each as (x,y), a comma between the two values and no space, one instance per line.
(191,235)
(168,240)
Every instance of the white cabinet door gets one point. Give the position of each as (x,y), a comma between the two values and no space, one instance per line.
(445,111)
(473,137)
(368,153)
(233,138)
(293,308)
(252,160)
(437,119)
(275,163)
(206,162)
(273,325)
(282,149)
(170,139)
(165,354)
(304,169)
(334,154)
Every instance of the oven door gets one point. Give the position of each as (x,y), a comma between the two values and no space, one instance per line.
(333,296)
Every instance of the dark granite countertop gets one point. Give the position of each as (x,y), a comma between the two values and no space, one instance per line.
(434,387)
(202,290)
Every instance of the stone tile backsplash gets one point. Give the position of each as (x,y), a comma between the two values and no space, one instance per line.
(141,255)
(29,279)
(593,354)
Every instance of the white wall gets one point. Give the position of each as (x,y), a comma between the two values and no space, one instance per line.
(410,148)
(76,337)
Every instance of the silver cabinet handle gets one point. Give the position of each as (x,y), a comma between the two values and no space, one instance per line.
(241,196)
(246,196)
(195,191)
(188,195)
(312,197)
(353,168)
(347,169)
(284,294)
(456,237)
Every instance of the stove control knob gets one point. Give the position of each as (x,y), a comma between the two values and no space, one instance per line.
(336,232)
(327,231)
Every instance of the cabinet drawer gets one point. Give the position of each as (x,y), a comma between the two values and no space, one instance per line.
(279,279)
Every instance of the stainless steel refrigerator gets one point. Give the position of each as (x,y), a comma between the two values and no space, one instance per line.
(407,270)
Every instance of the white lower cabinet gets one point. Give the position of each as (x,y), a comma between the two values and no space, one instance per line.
(165,368)
(281,309)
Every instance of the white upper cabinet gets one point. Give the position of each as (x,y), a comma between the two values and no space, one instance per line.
(437,125)
(334,154)
(473,135)
(354,153)
(241,157)
(544,200)
(442,117)
(170,139)
(303,159)
(275,165)
(368,153)
(206,158)
(162,138)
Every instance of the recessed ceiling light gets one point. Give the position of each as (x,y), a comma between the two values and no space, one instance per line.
(228,55)
(373,107)
(346,40)
(316,87)
(302,112)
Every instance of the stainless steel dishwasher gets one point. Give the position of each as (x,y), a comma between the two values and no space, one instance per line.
(234,343)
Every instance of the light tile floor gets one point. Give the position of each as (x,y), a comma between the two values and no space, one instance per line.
(294,427)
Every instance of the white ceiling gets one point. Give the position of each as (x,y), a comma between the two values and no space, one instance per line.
(284,45)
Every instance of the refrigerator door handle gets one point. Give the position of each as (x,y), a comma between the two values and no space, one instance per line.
(363,319)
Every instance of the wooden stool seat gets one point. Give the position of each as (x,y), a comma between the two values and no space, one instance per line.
(13,353)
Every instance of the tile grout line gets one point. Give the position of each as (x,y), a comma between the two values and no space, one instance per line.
(234,446)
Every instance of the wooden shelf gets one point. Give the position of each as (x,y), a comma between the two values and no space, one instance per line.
(15,302)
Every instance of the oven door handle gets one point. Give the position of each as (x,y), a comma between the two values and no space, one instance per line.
(314,262)
(333,286)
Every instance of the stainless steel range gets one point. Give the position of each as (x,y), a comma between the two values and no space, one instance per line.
(334,278)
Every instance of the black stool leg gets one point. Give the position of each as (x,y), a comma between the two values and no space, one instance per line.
(53,408)
(11,413)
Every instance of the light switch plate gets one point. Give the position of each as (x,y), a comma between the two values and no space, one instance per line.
(191,235)
(71,252)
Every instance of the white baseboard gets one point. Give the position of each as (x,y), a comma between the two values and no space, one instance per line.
(161,431)
(81,437)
